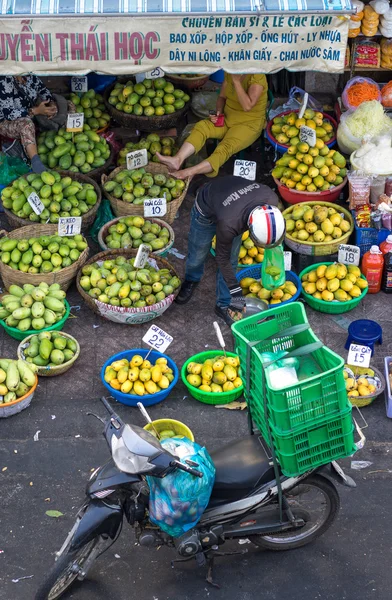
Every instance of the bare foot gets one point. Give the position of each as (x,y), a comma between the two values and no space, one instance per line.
(172,162)
(184,173)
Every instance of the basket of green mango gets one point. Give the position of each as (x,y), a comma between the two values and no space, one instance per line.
(53,353)
(132,231)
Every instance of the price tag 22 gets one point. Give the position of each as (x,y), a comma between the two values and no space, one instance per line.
(155,207)
(359,356)
(75,122)
(308,135)
(137,159)
(69,226)
(35,202)
(79,84)
(349,255)
(157,338)
(141,256)
(245,169)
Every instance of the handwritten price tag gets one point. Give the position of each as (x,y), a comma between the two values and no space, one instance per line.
(155,73)
(349,255)
(287,256)
(155,207)
(79,84)
(157,338)
(69,226)
(137,159)
(359,356)
(141,256)
(245,169)
(308,135)
(75,122)
(35,202)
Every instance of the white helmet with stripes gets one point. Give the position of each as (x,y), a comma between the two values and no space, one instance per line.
(266,226)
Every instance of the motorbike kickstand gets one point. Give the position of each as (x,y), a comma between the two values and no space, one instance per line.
(210,564)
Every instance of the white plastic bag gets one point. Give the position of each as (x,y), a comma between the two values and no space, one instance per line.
(347,142)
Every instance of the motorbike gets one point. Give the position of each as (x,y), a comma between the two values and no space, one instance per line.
(250,499)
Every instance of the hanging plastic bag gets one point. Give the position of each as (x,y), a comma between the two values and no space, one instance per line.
(298,94)
(178,501)
(11,168)
(272,268)
(104,215)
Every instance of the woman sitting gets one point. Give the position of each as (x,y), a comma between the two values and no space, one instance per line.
(242,101)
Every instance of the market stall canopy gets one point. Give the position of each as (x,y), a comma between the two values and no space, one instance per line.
(187,36)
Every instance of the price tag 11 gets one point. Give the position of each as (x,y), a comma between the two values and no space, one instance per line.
(69,226)
(141,256)
(35,202)
(287,260)
(308,135)
(157,338)
(137,159)
(155,73)
(79,84)
(155,207)
(75,122)
(245,169)
(349,255)
(359,356)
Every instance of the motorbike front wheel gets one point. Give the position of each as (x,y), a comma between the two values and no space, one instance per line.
(316,501)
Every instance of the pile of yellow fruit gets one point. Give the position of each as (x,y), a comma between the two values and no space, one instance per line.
(334,282)
(285,128)
(317,224)
(215,375)
(249,253)
(358,387)
(253,288)
(139,376)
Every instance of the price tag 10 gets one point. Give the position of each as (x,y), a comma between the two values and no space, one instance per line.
(359,356)
(308,135)
(245,169)
(137,159)
(349,255)
(35,202)
(79,84)
(287,260)
(69,226)
(141,256)
(155,207)
(157,338)
(155,73)
(75,122)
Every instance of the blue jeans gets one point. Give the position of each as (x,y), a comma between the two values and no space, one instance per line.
(200,236)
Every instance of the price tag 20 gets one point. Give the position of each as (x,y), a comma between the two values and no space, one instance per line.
(69,226)
(349,255)
(308,135)
(79,84)
(287,260)
(141,256)
(155,207)
(75,122)
(359,356)
(157,338)
(245,169)
(137,159)
(35,202)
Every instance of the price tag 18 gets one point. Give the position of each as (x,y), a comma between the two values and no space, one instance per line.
(287,260)
(245,169)
(137,159)
(349,255)
(79,84)
(359,356)
(155,207)
(157,338)
(69,226)
(75,122)
(155,73)
(141,256)
(35,202)
(308,135)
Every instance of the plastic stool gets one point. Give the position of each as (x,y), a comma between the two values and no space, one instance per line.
(364,332)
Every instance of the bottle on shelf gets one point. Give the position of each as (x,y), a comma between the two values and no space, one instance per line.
(386,246)
(387,273)
(372,267)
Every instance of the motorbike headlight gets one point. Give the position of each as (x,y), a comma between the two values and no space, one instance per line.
(126,461)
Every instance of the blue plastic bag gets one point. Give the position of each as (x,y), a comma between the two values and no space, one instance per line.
(178,500)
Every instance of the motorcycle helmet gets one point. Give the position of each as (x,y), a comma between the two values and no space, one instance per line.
(266,226)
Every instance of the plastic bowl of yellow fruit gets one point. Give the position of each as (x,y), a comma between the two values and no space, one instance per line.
(363,385)
(252,287)
(283,130)
(249,253)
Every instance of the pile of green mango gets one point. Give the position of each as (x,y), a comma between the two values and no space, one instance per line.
(46,254)
(33,307)
(16,379)
(76,152)
(153,143)
(61,197)
(49,349)
(151,97)
(131,232)
(92,105)
(118,283)
(138,185)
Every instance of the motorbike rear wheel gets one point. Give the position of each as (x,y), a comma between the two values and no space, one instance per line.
(322,510)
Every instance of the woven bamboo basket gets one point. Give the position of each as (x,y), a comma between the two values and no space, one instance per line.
(87,219)
(127,316)
(15,407)
(103,232)
(190,84)
(63,277)
(125,209)
(51,371)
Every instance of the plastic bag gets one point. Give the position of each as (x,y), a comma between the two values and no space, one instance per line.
(272,268)
(298,94)
(178,500)
(104,215)
(354,81)
(11,168)
(347,142)
(386,95)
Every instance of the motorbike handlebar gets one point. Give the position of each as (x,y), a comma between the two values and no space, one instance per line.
(107,405)
(182,467)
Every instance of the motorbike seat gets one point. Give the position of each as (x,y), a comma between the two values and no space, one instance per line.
(240,467)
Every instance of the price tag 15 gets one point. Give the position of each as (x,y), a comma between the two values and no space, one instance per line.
(35,202)
(79,84)
(137,159)
(308,135)
(69,226)
(155,207)
(349,255)
(75,122)
(245,169)
(359,356)
(157,338)
(155,73)
(287,260)
(141,256)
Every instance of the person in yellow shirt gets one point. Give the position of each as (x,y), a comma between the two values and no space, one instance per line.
(243,102)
